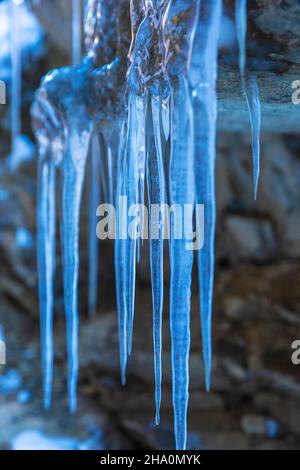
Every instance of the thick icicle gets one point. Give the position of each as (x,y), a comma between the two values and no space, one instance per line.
(146,82)
(135,171)
(181,194)
(76,31)
(121,254)
(93,241)
(250,89)
(46,216)
(203,80)
(50,140)
(73,177)
(136,143)
(157,196)
(179,32)
(241,29)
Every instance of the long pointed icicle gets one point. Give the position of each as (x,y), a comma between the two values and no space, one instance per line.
(181,194)
(135,170)
(241,29)
(16,78)
(76,31)
(250,89)
(157,196)
(73,178)
(121,254)
(203,80)
(254,106)
(46,216)
(93,241)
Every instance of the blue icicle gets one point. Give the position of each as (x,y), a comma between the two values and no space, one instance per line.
(76,31)
(121,254)
(93,241)
(241,30)
(46,216)
(157,196)
(104,182)
(250,89)
(111,174)
(203,79)
(254,106)
(73,178)
(181,193)
(135,171)
(16,80)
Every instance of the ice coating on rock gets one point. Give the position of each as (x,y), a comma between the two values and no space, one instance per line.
(250,88)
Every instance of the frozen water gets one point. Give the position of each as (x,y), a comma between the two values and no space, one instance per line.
(147,95)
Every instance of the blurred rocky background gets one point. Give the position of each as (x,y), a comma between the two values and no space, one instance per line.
(255,398)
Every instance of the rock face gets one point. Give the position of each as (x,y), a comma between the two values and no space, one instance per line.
(273,56)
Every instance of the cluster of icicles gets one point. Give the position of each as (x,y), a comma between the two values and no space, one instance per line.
(145,120)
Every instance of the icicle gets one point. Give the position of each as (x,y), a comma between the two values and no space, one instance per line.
(73,176)
(76,31)
(181,194)
(93,241)
(250,89)
(241,29)
(203,79)
(157,196)
(254,106)
(135,171)
(121,254)
(50,142)
(46,216)
(16,80)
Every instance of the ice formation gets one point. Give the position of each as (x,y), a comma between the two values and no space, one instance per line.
(250,89)
(76,31)
(146,121)
(71,105)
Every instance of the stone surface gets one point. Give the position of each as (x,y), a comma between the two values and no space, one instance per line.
(273,56)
